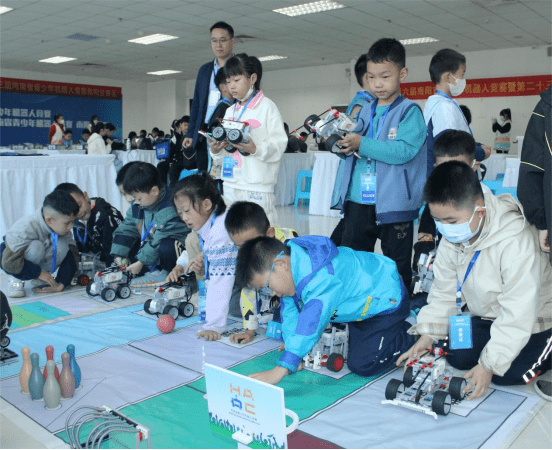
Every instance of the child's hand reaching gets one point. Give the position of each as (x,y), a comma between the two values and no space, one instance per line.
(217,147)
(350,142)
(273,376)
(250,147)
(135,268)
(47,278)
(209,335)
(175,274)
(197,264)
(420,347)
(57,288)
(243,338)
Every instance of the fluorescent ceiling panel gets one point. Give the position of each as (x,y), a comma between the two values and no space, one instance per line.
(164,72)
(422,40)
(57,59)
(153,39)
(271,57)
(309,8)
(5,9)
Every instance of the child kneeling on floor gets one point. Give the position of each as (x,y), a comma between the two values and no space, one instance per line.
(35,246)
(200,205)
(319,283)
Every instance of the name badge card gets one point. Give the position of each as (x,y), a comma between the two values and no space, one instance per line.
(460,332)
(368,188)
(228,167)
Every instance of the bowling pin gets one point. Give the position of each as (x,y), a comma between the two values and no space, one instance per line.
(51,391)
(66,379)
(74,366)
(50,357)
(36,380)
(26,370)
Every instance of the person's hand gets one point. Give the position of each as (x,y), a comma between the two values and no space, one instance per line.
(121,261)
(544,241)
(135,268)
(216,146)
(57,288)
(250,147)
(282,347)
(175,273)
(47,278)
(272,376)
(488,150)
(349,143)
(494,119)
(419,348)
(196,264)
(480,380)
(209,335)
(109,142)
(187,142)
(243,338)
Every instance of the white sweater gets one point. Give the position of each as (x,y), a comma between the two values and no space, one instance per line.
(96,145)
(258,172)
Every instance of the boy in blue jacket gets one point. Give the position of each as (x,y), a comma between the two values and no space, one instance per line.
(318,283)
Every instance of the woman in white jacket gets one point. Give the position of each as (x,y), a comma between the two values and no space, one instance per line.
(96,144)
(251,173)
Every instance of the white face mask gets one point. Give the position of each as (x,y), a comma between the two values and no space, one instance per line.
(459,232)
(458,88)
(249,94)
(95,122)
(502,119)
(62,122)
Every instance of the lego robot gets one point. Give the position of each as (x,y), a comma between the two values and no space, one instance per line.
(332,128)
(424,279)
(111,283)
(86,270)
(173,298)
(427,386)
(6,355)
(266,305)
(233,132)
(331,349)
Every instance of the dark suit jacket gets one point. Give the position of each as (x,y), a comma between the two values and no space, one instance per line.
(200,102)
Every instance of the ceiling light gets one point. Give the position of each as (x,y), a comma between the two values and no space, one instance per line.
(153,39)
(308,8)
(271,57)
(164,72)
(418,40)
(5,9)
(57,59)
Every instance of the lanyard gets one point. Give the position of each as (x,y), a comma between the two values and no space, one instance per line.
(366,95)
(458,106)
(459,286)
(382,120)
(205,261)
(145,233)
(54,250)
(244,108)
(81,240)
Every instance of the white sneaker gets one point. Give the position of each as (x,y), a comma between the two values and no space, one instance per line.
(16,288)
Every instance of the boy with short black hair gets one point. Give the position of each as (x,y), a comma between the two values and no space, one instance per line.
(490,256)
(152,235)
(35,246)
(319,283)
(67,139)
(95,224)
(384,185)
(85,136)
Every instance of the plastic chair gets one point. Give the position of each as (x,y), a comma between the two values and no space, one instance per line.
(303,193)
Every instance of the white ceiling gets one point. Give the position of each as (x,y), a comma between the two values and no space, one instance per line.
(39,29)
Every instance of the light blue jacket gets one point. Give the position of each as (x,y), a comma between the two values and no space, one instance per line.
(333,284)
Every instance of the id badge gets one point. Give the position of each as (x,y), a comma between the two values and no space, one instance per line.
(460,332)
(368,188)
(228,167)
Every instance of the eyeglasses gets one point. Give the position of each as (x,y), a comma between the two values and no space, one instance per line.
(219,41)
(267,290)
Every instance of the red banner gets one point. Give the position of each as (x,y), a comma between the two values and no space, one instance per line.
(485,87)
(21,86)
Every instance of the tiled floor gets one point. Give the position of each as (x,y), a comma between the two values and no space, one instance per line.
(19,431)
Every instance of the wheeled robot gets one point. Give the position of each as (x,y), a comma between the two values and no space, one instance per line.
(331,349)
(333,127)
(427,386)
(233,132)
(111,283)
(85,270)
(173,298)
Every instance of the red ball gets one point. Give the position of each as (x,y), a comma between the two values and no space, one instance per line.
(165,323)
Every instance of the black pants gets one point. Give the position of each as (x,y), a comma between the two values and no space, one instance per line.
(169,251)
(376,343)
(360,233)
(170,172)
(529,356)
(202,155)
(337,235)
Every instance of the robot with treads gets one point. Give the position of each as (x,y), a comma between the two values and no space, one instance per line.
(173,298)
(111,283)
(331,349)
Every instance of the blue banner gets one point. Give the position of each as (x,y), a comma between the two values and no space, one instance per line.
(28,117)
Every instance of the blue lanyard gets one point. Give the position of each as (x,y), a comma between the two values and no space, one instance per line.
(54,250)
(205,261)
(457,105)
(82,241)
(459,286)
(244,108)
(365,95)
(382,120)
(145,233)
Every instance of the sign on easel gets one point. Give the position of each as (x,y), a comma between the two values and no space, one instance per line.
(247,410)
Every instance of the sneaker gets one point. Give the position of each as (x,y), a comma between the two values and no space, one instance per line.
(544,389)
(150,279)
(16,288)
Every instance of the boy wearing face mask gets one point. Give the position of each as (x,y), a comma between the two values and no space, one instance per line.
(490,266)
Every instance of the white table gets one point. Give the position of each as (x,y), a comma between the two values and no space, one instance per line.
(137,155)
(290,166)
(26,180)
(323,180)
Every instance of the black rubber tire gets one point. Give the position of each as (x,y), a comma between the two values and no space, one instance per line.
(335,362)
(89,289)
(230,148)
(123,291)
(441,403)
(244,153)
(186,309)
(456,388)
(408,377)
(171,311)
(109,294)
(83,280)
(147,305)
(312,118)
(393,388)
(330,143)
(219,133)
(234,136)
(5,342)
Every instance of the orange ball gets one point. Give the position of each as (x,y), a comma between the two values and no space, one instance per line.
(165,323)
